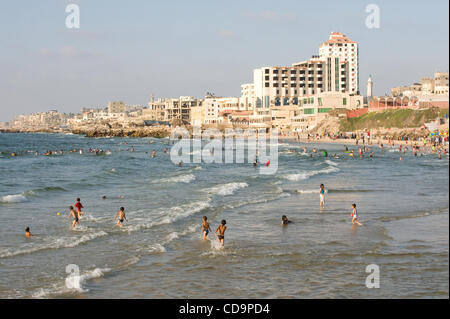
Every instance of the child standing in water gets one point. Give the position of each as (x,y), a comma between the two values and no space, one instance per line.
(122,217)
(354,215)
(221,229)
(79,206)
(75,217)
(205,228)
(322,195)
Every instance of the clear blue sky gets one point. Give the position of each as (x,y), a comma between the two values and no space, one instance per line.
(127,50)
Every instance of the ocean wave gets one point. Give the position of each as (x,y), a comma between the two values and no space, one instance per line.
(52,243)
(227,189)
(172,215)
(17,198)
(305,175)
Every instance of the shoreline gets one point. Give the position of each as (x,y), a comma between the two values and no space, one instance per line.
(164,132)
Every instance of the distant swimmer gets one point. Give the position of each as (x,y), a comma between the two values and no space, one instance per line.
(153,154)
(322,195)
(122,217)
(165,150)
(28,233)
(354,215)
(79,206)
(206,229)
(180,164)
(74,215)
(285,221)
(104,197)
(221,230)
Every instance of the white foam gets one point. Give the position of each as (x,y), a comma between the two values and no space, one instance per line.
(308,174)
(156,248)
(17,198)
(331,163)
(71,284)
(227,189)
(310,191)
(52,243)
(172,215)
(178,179)
(76,282)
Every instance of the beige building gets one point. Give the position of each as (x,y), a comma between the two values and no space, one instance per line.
(428,87)
(117,107)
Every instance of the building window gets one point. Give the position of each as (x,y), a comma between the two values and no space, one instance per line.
(344,101)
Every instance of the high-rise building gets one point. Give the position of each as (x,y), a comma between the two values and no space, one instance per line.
(340,46)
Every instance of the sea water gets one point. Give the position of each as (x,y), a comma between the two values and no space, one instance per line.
(159,253)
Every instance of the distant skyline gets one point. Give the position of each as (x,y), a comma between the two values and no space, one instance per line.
(129,50)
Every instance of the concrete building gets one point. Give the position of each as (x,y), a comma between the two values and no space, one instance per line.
(441,83)
(247,100)
(116,107)
(340,46)
(214,105)
(180,108)
(427,88)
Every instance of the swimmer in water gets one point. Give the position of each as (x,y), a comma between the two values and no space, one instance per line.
(28,233)
(322,195)
(73,214)
(221,230)
(122,217)
(354,215)
(206,229)
(153,154)
(285,221)
(79,206)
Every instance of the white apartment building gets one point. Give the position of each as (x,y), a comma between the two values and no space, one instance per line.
(284,86)
(340,46)
(247,100)
(213,106)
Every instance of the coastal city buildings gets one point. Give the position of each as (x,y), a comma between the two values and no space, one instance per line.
(293,98)
(438,85)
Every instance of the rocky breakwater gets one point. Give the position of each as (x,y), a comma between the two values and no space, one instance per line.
(105,131)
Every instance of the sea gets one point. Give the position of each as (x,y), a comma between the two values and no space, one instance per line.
(400,251)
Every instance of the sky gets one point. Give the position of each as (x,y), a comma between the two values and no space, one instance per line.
(129,50)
